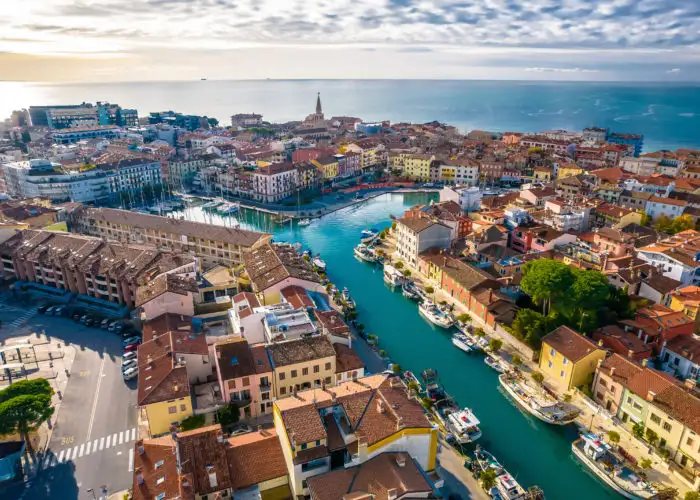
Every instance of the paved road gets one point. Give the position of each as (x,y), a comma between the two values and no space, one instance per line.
(93,439)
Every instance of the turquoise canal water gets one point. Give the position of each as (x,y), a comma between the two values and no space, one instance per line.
(532,451)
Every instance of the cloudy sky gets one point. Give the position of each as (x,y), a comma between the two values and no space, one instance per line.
(136,40)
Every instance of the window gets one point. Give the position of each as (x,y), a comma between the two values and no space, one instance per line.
(328,380)
(317,368)
(183,407)
(172,409)
(246,381)
(629,400)
(303,446)
(304,371)
(282,375)
(602,382)
(303,481)
(294,373)
(283,390)
(655,418)
(565,361)
(612,389)
(161,462)
(667,427)
(161,496)
(689,441)
(265,396)
(328,366)
(550,364)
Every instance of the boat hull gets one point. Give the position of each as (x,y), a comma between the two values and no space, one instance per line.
(433,320)
(523,404)
(602,476)
(461,345)
(364,257)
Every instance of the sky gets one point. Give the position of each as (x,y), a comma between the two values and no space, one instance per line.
(141,40)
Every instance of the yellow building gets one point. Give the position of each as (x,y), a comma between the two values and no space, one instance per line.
(163,394)
(568,359)
(351,423)
(687,299)
(302,364)
(568,170)
(542,174)
(328,166)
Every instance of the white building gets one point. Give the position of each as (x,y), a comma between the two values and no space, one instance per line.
(677,257)
(70,135)
(133,173)
(415,235)
(274,182)
(246,120)
(564,217)
(670,207)
(468,198)
(681,357)
(643,165)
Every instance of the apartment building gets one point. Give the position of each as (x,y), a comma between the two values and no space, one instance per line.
(88,266)
(678,257)
(131,174)
(274,182)
(568,359)
(71,135)
(212,245)
(301,364)
(342,427)
(414,235)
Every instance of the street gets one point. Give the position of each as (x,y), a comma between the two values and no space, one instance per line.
(91,446)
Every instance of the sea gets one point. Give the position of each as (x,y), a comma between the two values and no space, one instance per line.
(668,114)
(533,452)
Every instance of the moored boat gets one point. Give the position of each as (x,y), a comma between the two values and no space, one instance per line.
(393,276)
(506,488)
(462,424)
(494,364)
(304,222)
(431,383)
(611,468)
(436,316)
(347,300)
(369,235)
(536,402)
(364,253)
(409,290)
(317,262)
(409,377)
(463,342)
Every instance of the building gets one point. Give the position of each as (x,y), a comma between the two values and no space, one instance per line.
(568,359)
(686,299)
(447,213)
(328,166)
(245,120)
(274,182)
(212,245)
(245,375)
(677,256)
(467,198)
(657,324)
(202,464)
(167,293)
(623,342)
(681,357)
(63,263)
(414,235)
(271,268)
(670,207)
(342,427)
(635,141)
(301,364)
(71,135)
(610,379)
(413,166)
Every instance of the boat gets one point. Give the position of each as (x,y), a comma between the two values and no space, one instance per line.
(227,208)
(494,364)
(611,468)
(409,290)
(536,402)
(409,377)
(304,222)
(364,253)
(431,383)
(369,235)
(212,205)
(436,316)
(463,342)
(349,303)
(506,488)
(316,261)
(462,424)
(306,253)
(393,276)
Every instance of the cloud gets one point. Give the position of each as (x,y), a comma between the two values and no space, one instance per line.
(561,70)
(674,70)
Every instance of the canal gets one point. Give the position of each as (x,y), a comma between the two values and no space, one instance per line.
(532,451)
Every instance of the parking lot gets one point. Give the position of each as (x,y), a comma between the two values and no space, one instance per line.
(92,440)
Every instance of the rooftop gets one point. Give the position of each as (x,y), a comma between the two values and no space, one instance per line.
(300,350)
(570,344)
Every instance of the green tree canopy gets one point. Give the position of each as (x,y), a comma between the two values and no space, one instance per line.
(682,223)
(495,345)
(228,415)
(546,280)
(23,414)
(34,387)
(590,290)
(488,479)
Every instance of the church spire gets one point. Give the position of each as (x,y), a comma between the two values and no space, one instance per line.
(319,111)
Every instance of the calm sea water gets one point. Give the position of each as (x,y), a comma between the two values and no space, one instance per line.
(667,114)
(533,451)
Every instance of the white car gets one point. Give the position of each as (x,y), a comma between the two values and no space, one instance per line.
(128,355)
(105,323)
(128,364)
(130,373)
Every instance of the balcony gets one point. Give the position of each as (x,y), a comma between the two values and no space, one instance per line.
(265,387)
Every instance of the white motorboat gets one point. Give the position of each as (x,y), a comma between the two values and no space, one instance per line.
(304,222)
(506,488)
(611,468)
(410,291)
(369,235)
(317,262)
(463,342)
(364,253)
(536,402)
(393,276)
(463,425)
(349,303)
(494,364)
(433,314)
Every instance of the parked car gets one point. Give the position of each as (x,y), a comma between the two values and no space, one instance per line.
(129,363)
(112,325)
(130,332)
(77,317)
(104,324)
(59,311)
(131,340)
(42,309)
(132,347)
(118,328)
(50,310)
(128,355)
(241,429)
(130,373)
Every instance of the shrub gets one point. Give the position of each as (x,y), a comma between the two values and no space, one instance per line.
(495,345)
(651,436)
(479,332)
(192,422)
(538,377)
(614,437)
(488,479)
(396,368)
(516,360)
(638,430)
(464,318)
(645,463)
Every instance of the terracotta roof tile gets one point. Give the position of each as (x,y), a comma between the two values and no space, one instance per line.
(570,344)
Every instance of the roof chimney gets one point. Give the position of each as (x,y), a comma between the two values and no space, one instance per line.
(644,363)
(651,395)
(401,460)
(612,371)
(600,342)
(690,384)
(380,406)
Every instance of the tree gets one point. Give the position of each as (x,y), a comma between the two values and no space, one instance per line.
(407,273)
(26,387)
(547,280)
(495,345)
(192,422)
(399,265)
(645,463)
(691,495)
(646,219)
(590,290)
(393,226)
(427,403)
(228,415)
(517,361)
(479,332)
(529,326)
(396,368)
(23,414)
(413,387)
(638,430)
(663,223)
(430,291)
(681,223)
(651,436)
(488,479)
(537,377)
(614,437)
(464,318)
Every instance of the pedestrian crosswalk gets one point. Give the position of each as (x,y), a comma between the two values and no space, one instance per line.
(88,448)
(24,318)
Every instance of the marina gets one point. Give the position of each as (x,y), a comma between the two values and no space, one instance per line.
(413,343)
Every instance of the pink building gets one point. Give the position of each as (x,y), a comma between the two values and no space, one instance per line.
(168,293)
(245,376)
